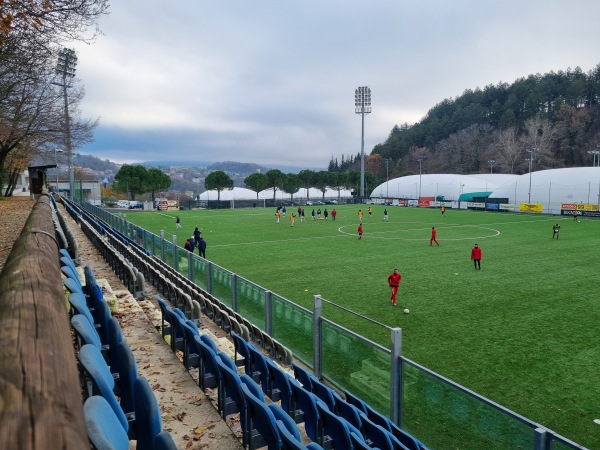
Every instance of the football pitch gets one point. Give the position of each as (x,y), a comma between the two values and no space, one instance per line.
(522,331)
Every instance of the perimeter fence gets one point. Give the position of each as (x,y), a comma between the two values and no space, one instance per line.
(439,412)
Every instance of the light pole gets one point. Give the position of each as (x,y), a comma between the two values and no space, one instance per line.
(596,156)
(65,68)
(491,162)
(56,151)
(362,106)
(531,152)
(387,177)
(420,159)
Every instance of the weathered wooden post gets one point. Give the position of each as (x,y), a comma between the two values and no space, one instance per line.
(40,399)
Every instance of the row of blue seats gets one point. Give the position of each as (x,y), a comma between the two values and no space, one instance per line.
(261,424)
(119,404)
(326,415)
(305,399)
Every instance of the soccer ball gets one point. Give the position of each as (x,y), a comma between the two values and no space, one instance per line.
(406,311)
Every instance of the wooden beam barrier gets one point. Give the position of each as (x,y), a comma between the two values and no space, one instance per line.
(40,398)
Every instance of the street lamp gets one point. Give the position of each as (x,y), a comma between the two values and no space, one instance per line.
(491,162)
(531,152)
(596,156)
(362,106)
(420,159)
(65,68)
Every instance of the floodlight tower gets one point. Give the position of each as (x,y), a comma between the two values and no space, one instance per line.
(420,159)
(596,155)
(491,162)
(531,152)
(362,106)
(65,69)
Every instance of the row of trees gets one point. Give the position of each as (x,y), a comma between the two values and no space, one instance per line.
(135,180)
(32,109)
(291,183)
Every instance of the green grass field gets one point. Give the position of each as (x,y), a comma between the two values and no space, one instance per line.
(522,331)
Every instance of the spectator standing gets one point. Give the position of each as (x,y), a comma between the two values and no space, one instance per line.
(188,246)
(202,247)
(433,237)
(394,283)
(476,256)
(197,234)
(192,243)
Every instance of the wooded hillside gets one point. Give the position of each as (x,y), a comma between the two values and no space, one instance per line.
(556,113)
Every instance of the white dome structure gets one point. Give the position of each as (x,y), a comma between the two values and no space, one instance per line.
(553,187)
(237,193)
(302,194)
(449,186)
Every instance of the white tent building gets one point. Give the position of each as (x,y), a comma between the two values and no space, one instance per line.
(449,186)
(237,193)
(553,187)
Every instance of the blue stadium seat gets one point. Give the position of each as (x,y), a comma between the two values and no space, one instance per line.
(125,365)
(103,427)
(288,441)
(79,306)
(210,375)
(165,317)
(262,423)
(324,393)
(115,335)
(260,370)
(191,353)
(164,441)
(305,410)
(148,422)
(71,273)
(241,347)
(375,435)
(303,376)
(407,439)
(85,332)
(231,396)
(208,341)
(100,380)
(354,400)
(335,430)
(359,444)
(280,386)
(349,412)
(67,261)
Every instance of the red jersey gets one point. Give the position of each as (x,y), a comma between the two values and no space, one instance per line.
(360,228)
(433,233)
(476,253)
(394,279)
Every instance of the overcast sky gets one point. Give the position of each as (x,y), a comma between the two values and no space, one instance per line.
(272,81)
